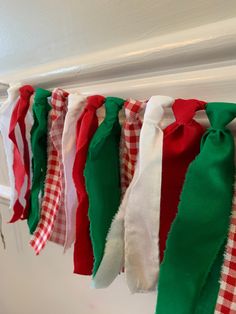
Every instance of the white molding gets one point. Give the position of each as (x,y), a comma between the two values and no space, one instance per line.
(153,65)
(199,62)
(215,84)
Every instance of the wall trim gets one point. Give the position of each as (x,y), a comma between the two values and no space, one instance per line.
(198,62)
(162,63)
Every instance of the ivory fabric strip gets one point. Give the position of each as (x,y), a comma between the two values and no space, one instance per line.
(76,103)
(142,216)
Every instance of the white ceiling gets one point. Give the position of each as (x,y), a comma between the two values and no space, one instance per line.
(37,32)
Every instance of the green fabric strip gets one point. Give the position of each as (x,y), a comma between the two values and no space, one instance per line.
(39,134)
(193,255)
(102,176)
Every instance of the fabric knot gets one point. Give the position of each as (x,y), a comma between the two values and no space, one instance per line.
(12,91)
(155,108)
(113,106)
(220,114)
(132,109)
(41,94)
(116,101)
(26,91)
(185,109)
(94,102)
(59,97)
(75,101)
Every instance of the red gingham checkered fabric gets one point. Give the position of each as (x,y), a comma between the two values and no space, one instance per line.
(130,140)
(226,302)
(53,220)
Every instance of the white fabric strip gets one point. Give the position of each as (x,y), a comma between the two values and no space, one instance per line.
(5,118)
(141,202)
(142,216)
(76,103)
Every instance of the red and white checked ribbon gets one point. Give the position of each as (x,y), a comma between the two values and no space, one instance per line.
(226,302)
(52,223)
(130,140)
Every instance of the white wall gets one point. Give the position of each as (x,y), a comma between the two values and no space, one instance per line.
(46,284)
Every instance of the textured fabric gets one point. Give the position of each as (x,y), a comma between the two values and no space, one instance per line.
(59,105)
(143,204)
(39,134)
(76,104)
(113,259)
(130,140)
(102,177)
(6,109)
(53,200)
(5,116)
(85,129)
(21,157)
(181,144)
(198,233)
(226,302)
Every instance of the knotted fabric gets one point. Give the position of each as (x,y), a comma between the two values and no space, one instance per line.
(181,144)
(85,129)
(113,259)
(5,117)
(143,202)
(130,140)
(191,267)
(53,199)
(76,103)
(226,301)
(102,177)
(39,135)
(21,157)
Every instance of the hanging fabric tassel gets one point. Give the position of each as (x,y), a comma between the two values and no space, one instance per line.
(59,110)
(143,202)
(5,117)
(53,199)
(39,134)
(226,302)
(102,177)
(85,129)
(21,157)
(199,231)
(76,103)
(130,140)
(113,259)
(181,144)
